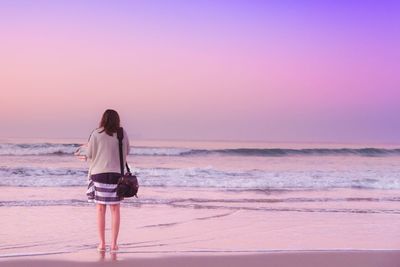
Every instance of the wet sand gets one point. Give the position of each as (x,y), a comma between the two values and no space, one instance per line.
(279,259)
(185,234)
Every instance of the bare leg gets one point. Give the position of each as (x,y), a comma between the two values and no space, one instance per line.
(101,224)
(115,221)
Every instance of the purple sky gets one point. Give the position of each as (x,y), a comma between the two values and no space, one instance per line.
(321,71)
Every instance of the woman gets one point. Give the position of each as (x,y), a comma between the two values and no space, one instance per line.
(104,172)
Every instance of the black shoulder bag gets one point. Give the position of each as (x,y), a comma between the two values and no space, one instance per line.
(128,184)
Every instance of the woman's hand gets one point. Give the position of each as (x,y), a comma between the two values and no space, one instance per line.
(80,153)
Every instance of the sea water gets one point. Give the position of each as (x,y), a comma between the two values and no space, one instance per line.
(218,166)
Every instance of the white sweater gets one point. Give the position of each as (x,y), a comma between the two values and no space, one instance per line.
(103,152)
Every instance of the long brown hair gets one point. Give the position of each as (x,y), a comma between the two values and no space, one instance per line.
(110,122)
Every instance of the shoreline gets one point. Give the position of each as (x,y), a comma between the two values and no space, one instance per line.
(163,225)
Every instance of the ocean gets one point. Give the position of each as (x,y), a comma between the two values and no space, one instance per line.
(220,166)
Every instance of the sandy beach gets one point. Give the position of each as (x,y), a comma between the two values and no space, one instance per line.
(278,259)
(154,234)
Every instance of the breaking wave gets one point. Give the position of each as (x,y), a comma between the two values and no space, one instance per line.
(208,177)
(69,149)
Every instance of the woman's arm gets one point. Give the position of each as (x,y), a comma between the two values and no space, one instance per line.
(91,146)
(127,145)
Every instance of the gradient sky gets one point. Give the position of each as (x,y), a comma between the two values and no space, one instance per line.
(321,71)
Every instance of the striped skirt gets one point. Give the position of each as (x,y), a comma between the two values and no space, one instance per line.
(102,188)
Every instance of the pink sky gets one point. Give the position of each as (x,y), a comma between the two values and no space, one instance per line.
(243,70)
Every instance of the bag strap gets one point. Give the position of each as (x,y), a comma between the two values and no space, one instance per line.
(120,136)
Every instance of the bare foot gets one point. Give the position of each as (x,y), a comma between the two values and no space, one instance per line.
(101,248)
(114,248)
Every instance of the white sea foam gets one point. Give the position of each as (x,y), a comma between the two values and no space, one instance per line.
(210,177)
(160,151)
(39,164)
(37,149)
